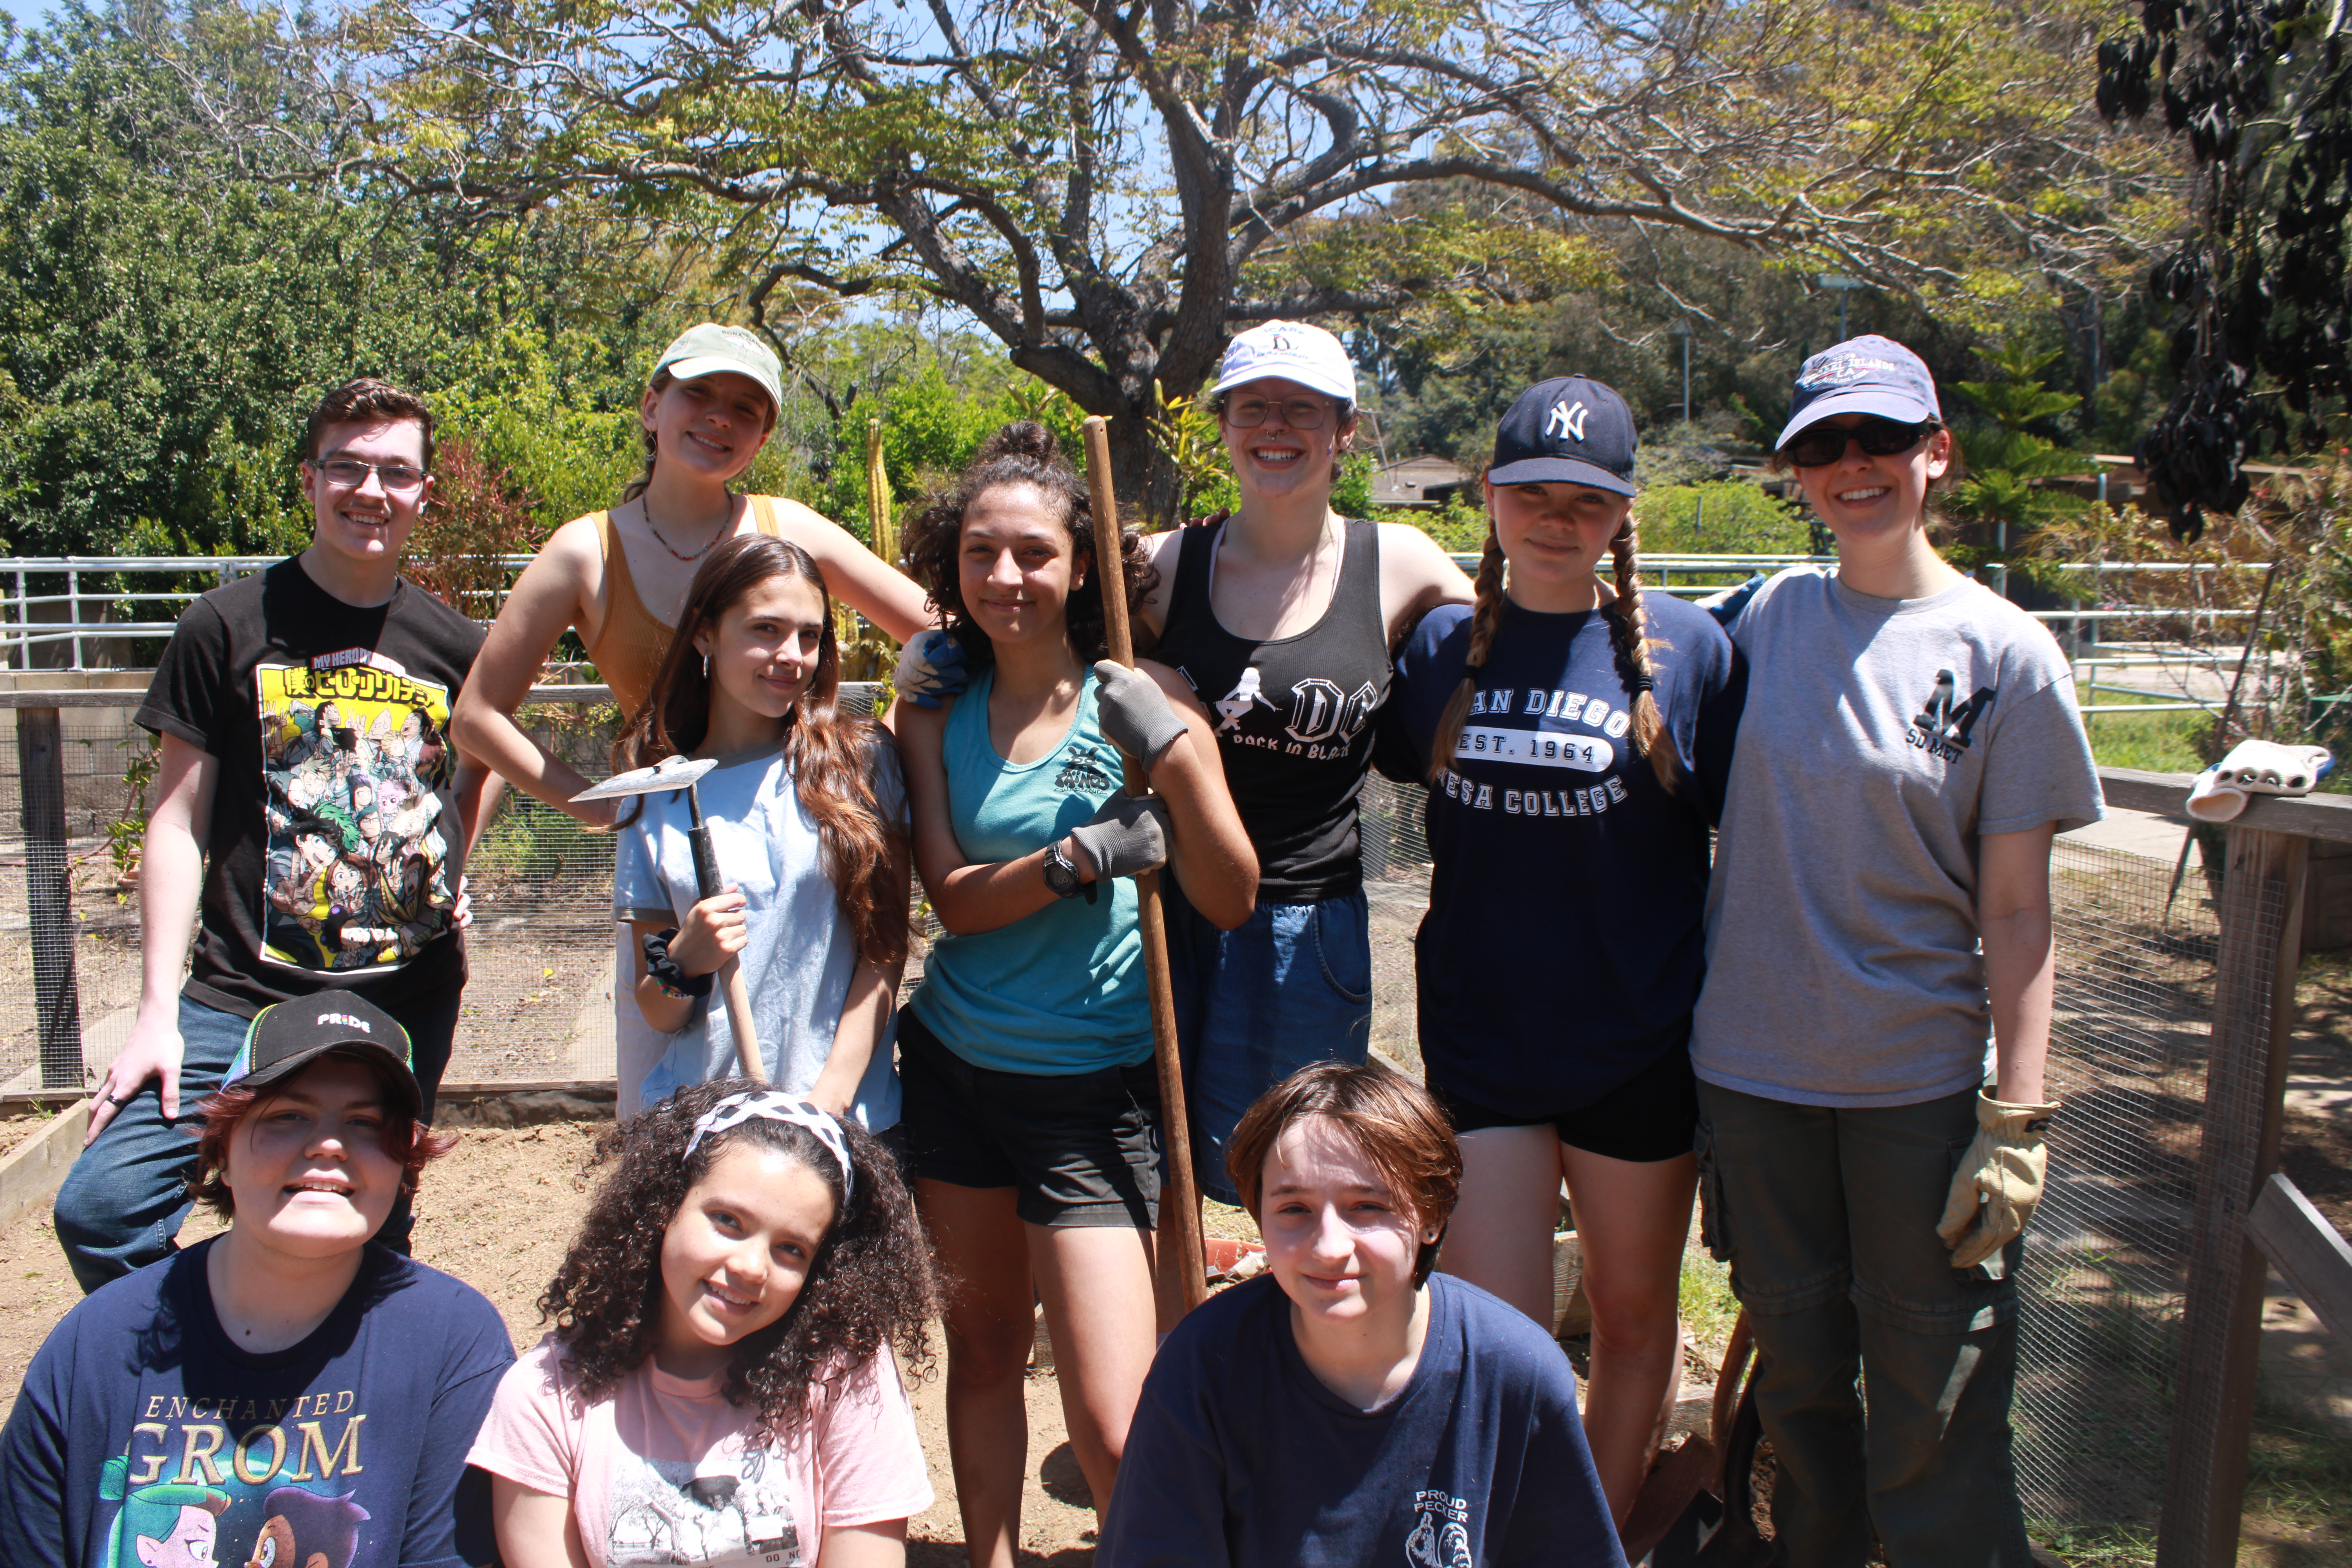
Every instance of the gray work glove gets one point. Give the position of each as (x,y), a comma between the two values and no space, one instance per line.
(1134,712)
(1128,835)
(1999,1184)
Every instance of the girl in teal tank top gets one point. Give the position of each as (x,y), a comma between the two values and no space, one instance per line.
(1031,1108)
(1060,990)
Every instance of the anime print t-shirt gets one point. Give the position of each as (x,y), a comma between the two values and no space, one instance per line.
(335,844)
(664,1469)
(144,1436)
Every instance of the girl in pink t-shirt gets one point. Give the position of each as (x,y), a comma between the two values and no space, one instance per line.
(720,1386)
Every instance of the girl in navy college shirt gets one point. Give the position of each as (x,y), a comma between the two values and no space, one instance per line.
(1573,736)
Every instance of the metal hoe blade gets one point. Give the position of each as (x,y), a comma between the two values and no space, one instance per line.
(670,774)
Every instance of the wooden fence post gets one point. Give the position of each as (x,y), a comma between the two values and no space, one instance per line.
(2245,1083)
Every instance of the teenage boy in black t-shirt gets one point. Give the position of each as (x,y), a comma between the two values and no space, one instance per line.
(312,821)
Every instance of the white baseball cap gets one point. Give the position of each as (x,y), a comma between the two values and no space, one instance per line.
(710,348)
(1293,350)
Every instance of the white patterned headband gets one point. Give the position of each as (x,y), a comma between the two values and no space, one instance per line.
(774,1105)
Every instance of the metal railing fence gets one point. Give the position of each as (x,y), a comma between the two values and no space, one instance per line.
(25,623)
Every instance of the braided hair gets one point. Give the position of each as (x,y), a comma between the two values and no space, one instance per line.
(1484,621)
(1628,639)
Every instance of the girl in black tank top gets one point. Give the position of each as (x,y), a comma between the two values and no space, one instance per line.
(1294,714)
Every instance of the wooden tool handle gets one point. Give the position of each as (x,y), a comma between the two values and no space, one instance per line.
(740,1020)
(1182,1192)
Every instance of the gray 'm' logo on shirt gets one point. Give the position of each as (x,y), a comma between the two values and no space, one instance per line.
(1944,725)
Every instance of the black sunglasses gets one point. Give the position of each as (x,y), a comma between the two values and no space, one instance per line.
(1825,444)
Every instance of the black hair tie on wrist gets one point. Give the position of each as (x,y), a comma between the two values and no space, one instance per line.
(664,969)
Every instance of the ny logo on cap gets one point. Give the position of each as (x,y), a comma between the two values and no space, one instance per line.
(1567,421)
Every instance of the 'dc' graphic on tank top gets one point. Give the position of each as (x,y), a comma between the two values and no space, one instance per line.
(1293,715)
(355,754)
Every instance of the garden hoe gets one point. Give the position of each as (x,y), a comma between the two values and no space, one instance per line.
(678,773)
(1181,1194)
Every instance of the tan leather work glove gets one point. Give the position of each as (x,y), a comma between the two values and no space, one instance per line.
(1999,1181)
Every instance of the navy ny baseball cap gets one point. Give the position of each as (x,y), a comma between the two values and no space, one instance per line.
(1869,375)
(1571,430)
(288,1037)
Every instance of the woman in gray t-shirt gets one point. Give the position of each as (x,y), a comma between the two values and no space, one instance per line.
(1910,745)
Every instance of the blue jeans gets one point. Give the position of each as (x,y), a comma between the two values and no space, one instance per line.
(1828,1218)
(1290,986)
(122,1203)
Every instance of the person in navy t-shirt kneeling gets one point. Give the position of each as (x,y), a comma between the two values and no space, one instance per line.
(1350,1407)
(290,1391)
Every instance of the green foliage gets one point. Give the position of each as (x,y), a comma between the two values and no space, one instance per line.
(126,836)
(2171,742)
(931,427)
(1730,517)
(2002,461)
(1707,1306)
(2017,399)
(172,301)
(1459,525)
(1187,436)
(1352,492)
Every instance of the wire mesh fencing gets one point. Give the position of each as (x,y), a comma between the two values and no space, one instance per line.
(2106,1262)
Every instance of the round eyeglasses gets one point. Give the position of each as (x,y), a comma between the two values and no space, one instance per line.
(1297,412)
(349,473)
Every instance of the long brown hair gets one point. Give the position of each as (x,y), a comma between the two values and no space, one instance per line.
(828,753)
(1629,639)
(1021,453)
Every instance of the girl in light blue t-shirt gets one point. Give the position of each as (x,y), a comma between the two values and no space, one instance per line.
(807,819)
(1032,1108)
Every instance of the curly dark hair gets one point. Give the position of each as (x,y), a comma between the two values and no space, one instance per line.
(1021,453)
(870,1285)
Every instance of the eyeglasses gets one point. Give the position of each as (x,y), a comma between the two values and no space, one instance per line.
(349,473)
(1298,413)
(1825,444)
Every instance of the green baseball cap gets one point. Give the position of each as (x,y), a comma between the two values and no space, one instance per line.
(710,348)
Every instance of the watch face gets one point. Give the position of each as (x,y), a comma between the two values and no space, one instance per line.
(1060,874)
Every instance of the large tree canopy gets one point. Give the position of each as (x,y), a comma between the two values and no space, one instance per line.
(1106,188)
(2261,92)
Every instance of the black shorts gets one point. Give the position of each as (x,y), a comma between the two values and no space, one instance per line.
(1080,1150)
(1651,1116)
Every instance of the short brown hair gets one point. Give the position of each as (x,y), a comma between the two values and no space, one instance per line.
(1393,1119)
(412,1143)
(367,401)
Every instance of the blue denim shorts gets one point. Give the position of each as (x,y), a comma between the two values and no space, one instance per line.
(1290,986)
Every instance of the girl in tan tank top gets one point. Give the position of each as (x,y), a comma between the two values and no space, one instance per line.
(619,577)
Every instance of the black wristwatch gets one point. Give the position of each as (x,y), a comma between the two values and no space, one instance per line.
(1062,875)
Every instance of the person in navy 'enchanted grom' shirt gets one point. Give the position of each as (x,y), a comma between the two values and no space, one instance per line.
(290,1392)
(1353,1409)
